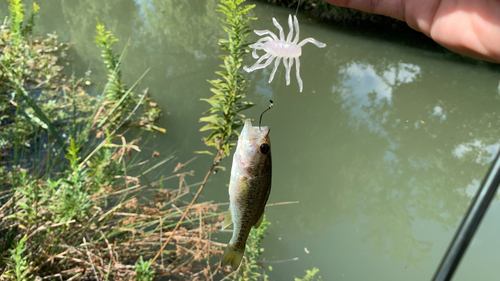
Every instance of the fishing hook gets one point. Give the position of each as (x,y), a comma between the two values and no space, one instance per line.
(270,106)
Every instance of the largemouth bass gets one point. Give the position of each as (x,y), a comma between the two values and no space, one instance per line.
(249,189)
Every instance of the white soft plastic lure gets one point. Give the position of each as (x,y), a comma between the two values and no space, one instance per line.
(280,48)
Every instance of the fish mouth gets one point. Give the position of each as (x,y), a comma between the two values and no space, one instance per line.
(248,156)
(251,132)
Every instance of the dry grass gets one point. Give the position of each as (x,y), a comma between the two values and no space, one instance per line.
(108,241)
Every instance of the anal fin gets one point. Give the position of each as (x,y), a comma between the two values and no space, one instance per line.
(259,221)
(228,220)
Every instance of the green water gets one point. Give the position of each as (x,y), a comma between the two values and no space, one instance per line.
(383,149)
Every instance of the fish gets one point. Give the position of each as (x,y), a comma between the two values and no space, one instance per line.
(249,189)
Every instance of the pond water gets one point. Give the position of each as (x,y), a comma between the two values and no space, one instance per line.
(384,148)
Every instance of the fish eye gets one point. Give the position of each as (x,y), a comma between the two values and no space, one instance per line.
(264,148)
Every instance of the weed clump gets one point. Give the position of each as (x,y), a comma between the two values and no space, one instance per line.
(34,92)
(70,178)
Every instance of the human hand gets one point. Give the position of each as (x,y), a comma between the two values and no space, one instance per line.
(468,27)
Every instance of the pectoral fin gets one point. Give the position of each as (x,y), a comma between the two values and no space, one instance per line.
(228,220)
(259,221)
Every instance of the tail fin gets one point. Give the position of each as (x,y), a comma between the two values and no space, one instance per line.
(233,256)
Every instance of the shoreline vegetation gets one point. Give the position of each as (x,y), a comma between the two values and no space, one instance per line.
(71,177)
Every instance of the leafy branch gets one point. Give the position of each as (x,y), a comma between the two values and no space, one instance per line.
(227,102)
(118,97)
(16,17)
(105,39)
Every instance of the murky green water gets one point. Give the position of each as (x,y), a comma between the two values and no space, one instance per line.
(384,148)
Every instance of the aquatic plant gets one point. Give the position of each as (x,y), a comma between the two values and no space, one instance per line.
(310,276)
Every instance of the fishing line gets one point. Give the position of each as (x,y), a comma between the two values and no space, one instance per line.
(274,88)
(297,8)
